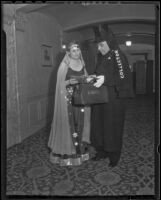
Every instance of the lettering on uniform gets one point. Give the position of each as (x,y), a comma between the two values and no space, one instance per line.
(119,64)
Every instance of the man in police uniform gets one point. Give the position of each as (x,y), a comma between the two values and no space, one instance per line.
(107,120)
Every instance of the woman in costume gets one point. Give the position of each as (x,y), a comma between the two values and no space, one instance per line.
(70,129)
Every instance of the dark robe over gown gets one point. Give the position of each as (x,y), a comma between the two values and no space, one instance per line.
(76,116)
(107,120)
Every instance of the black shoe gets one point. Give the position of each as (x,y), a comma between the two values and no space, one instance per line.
(114,158)
(96,158)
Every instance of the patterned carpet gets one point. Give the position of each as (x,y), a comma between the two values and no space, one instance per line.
(29,171)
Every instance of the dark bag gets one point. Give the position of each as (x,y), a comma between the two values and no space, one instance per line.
(87,94)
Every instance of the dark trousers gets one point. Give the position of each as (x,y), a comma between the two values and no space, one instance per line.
(107,127)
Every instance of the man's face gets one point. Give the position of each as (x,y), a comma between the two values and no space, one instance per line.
(103,47)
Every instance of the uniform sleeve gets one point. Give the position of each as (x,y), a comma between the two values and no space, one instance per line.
(110,73)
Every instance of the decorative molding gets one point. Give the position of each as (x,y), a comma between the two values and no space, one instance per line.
(37,108)
(13,96)
(8,20)
(78,27)
(135,34)
(33,111)
(20,19)
(43,108)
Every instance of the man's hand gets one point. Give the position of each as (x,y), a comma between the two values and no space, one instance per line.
(100,81)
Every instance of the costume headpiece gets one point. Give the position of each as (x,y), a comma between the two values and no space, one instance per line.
(72,45)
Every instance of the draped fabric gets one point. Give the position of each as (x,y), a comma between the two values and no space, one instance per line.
(60,139)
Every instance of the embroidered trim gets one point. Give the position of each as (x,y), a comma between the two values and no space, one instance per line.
(69,161)
(119,63)
(69,99)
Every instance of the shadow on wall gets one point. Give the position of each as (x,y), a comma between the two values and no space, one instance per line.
(51,89)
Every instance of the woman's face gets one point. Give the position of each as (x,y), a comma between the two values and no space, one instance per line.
(103,47)
(75,52)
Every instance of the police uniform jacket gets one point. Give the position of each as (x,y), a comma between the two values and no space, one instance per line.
(107,120)
(118,77)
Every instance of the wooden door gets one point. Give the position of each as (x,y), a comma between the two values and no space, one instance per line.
(134,76)
(149,77)
(140,77)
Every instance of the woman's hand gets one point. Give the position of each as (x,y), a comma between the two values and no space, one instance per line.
(100,81)
(90,78)
(73,81)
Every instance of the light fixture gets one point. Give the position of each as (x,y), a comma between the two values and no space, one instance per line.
(86,3)
(128,43)
(63,46)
